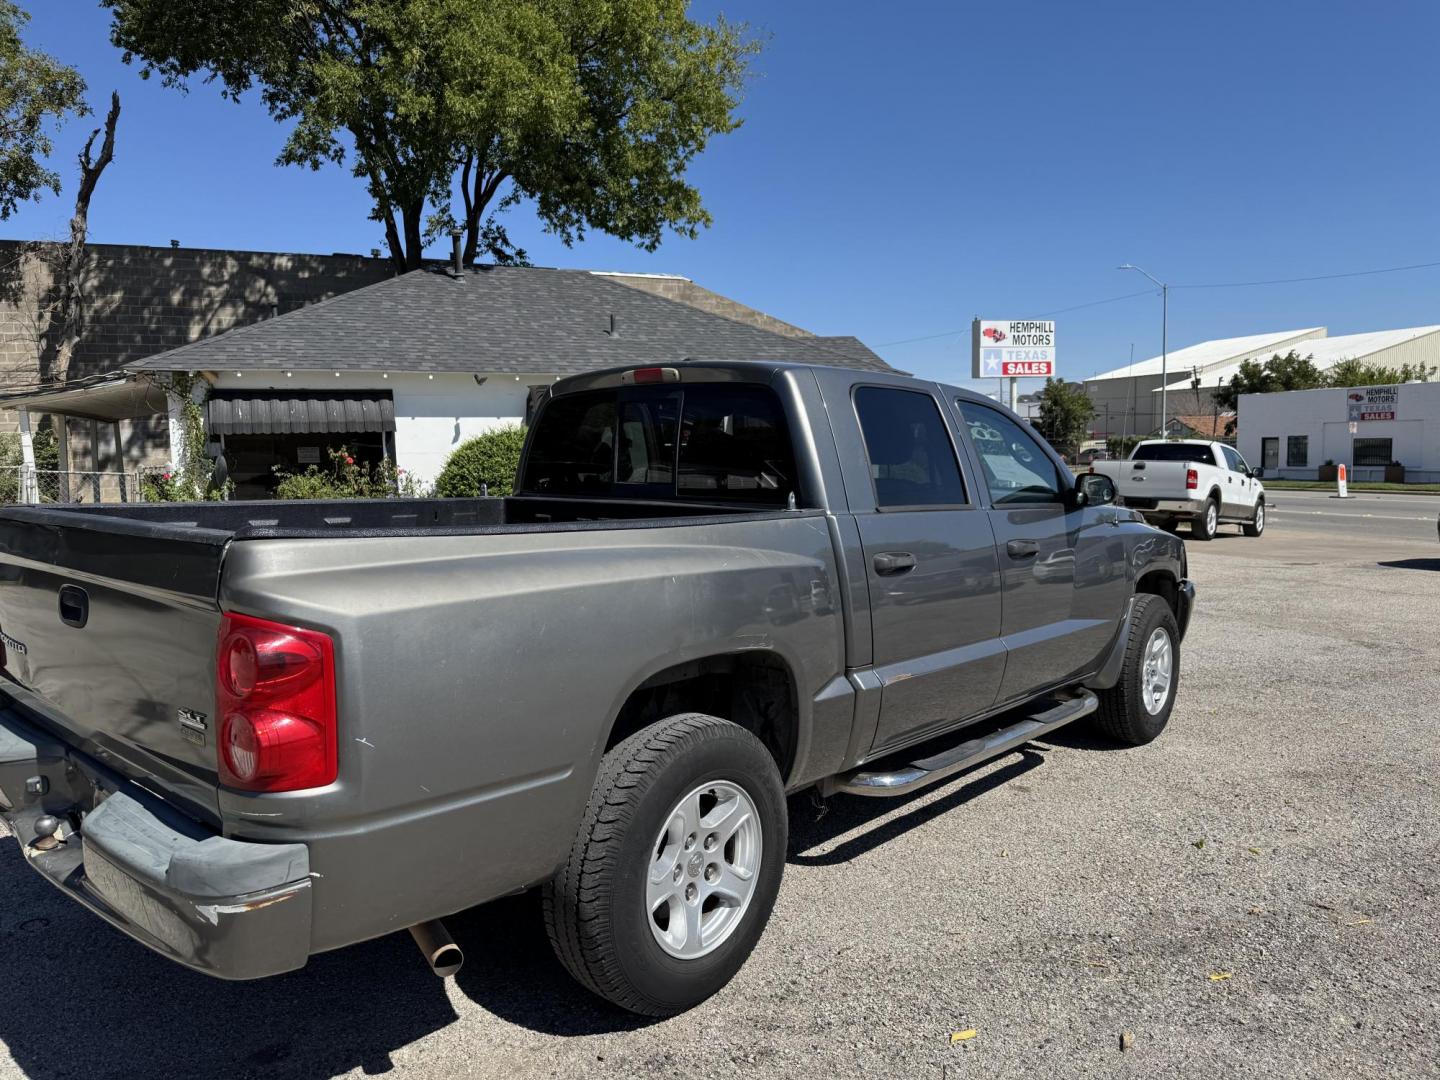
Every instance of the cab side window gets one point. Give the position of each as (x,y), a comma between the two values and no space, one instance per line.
(1233,460)
(912,460)
(1017,470)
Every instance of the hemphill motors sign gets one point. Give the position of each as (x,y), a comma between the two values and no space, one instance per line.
(1372,403)
(1013,349)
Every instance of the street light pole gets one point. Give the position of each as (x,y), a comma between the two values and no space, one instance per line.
(1164,341)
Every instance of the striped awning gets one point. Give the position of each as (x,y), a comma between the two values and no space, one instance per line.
(299,413)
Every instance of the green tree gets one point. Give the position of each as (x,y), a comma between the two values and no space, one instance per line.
(590,109)
(1289,372)
(37,92)
(1065,415)
(1352,372)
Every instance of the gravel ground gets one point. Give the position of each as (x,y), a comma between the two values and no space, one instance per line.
(1255,894)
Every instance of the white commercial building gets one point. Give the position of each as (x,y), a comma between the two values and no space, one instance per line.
(1365,428)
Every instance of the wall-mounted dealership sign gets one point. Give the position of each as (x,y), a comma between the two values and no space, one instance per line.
(1012,349)
(1371,403)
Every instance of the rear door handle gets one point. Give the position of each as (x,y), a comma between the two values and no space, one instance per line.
(894,562)
(1022,549)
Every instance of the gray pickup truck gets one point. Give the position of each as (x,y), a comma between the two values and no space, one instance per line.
(246,733)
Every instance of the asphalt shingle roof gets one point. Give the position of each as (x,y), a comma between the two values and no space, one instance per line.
(499,319)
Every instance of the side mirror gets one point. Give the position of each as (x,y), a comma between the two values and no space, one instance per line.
(1094,489)
(1257,474)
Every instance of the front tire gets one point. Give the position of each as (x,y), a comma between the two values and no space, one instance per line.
(1136,709)
(675,868)
(1256,525)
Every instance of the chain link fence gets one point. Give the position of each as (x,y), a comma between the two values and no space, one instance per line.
(21,485)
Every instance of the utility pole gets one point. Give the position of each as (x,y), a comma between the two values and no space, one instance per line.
(1164,341)
(1129,405)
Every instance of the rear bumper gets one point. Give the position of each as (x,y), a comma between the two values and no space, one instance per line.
(1166,508)
(224,907)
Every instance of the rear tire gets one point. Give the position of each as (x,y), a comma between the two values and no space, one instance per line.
(619,919)
(1205,524)
(1256,525)
(1136,709)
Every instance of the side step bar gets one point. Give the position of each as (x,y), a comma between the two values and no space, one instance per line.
(900,779)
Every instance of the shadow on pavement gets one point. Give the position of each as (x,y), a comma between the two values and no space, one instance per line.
(1412,564)
(1081,736)
(511,971)
(84,1000)
(812,827)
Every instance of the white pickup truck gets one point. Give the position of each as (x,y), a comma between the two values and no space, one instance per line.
(1205,483)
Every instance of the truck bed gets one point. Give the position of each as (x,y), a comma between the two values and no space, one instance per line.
(146,586)
(340,518)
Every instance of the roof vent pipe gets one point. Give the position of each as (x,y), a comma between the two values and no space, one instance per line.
(455,267)
(612,331)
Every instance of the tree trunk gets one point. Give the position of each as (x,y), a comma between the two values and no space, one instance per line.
(392,240)
(70,314)
(413,217)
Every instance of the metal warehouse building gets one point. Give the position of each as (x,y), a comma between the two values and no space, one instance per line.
(1364,428)
(1128,398)
(1131,402)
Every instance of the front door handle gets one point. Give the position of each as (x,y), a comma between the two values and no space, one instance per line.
(1022,549)
(894,562)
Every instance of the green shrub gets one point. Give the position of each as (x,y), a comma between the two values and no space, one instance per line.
(492,458)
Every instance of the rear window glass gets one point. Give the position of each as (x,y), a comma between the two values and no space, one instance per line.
(703,443)
(1173,452)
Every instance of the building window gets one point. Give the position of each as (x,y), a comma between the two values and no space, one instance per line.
(1297,451)
(1372,452)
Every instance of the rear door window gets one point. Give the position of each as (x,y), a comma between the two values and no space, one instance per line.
(912,460)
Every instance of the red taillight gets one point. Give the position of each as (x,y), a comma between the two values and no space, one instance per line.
(275,699)
(1192,479)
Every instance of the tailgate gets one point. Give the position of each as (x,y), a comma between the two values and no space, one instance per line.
(109,627)
(1152,479)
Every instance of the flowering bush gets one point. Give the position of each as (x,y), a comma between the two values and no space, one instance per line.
(347,479)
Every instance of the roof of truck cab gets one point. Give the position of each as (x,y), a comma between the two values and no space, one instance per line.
(503,319)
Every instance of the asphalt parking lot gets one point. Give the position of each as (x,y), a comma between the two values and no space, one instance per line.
(1255,894)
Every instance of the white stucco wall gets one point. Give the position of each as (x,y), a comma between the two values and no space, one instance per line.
(1322,416)
(433,413)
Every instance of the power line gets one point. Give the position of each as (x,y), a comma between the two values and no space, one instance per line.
(1057,311)
(1097,303)
(912,340)
(1203,285)
(1317,277)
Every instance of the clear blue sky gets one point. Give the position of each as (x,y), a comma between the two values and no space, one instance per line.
(904,167)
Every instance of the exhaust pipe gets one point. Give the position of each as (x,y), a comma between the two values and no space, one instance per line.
(438,947)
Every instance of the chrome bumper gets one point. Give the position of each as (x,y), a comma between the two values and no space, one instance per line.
(224,907)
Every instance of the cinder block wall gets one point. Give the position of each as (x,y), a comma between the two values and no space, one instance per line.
(684,291)
(143,300)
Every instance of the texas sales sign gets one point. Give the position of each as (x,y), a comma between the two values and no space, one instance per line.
(1013,349)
